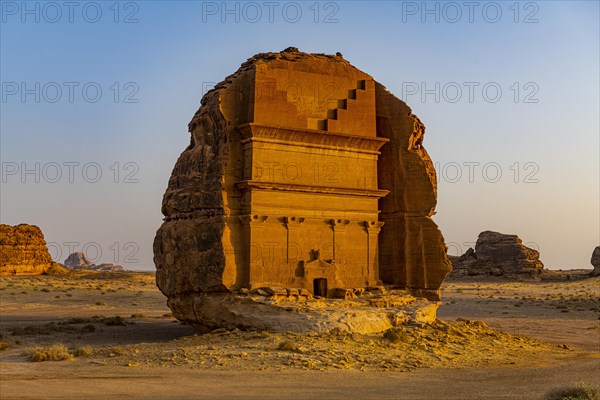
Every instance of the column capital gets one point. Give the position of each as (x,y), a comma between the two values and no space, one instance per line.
(253,219)
(339,224)
(293,221)
(373,226)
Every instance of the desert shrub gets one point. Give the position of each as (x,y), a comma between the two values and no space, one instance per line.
(288,345)
(139,315)
(3,346)
(580,391)
(45,329)
(89,328)
(395,335)
(52,327)
(46,290)
(77,320)
(117,320)
(53,352)
(85,351)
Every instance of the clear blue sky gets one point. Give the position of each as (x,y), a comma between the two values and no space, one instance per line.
(541,132)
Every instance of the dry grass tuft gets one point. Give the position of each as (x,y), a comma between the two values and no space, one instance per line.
(85,351)
(580,391)
(53,352)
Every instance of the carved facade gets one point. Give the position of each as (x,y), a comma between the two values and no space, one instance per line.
(302,172)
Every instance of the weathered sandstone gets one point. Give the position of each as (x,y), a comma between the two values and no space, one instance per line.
(108,268)
(78,260)
(596,261)
(23,251)
(369,314)
(498,254)
(302,172)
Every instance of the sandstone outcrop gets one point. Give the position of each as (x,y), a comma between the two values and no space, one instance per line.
(108,268)
(302,172)
(283,311)
(23,251)
(498,254)
(78,261)
(596,261)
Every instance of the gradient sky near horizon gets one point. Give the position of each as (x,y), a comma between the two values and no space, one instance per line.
(96,98)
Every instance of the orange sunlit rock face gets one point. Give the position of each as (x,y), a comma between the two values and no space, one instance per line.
(302,172)
(23,251)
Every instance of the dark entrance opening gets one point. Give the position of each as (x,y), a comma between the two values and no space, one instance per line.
(320,287)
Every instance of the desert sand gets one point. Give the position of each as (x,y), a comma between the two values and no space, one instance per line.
(495,339)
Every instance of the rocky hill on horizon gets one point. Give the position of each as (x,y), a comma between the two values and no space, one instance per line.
(79,261)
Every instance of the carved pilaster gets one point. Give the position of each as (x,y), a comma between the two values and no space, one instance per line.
(253,226)
(339,226)
(373,228)
(292,247)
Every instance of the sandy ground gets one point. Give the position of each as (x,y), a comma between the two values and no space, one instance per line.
(541,335)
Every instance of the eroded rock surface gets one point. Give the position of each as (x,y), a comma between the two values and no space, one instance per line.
(596,261)
(23,251)
(109,268)
(280,312)
(498,254)
(302,172)
(78,260)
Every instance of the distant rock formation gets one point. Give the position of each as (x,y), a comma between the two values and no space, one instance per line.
(23,251)
(109,268)
(498,254)
(78,261)
(596,261)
